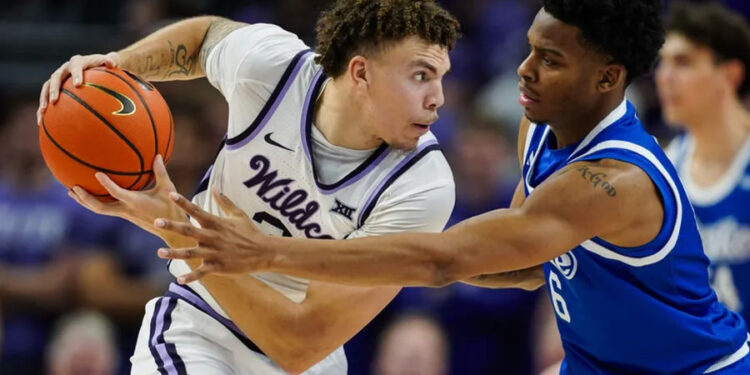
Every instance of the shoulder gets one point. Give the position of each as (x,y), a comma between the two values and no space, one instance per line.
(257,54)
(424,169)
(421,199)
(411,172)
(607,177)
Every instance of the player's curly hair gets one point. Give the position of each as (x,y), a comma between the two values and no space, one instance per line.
(630,31)
(353,27)
(711,25)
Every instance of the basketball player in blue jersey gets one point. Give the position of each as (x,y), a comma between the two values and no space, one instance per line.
(702,74)
(328,145)
(599,208)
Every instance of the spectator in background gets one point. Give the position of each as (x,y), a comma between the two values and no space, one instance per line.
(83,344)
(37,263)
(198,143)
(485,168)
(56,256)
(701,78)
(412,345)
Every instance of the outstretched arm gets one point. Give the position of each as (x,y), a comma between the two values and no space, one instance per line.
(544,227)
(527,279)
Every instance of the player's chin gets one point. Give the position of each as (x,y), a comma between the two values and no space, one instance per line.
(535,118)
(405,144)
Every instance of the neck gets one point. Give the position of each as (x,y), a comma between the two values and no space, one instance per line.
(341,122)
(719,134)
(575,128)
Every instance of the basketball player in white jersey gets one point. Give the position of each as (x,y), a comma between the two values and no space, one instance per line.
(701,79)
(335,145)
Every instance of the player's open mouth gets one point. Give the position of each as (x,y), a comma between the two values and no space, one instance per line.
(424,128)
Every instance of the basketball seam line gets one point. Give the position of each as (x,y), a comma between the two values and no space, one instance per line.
(150,117)
(92,166)
(117,132)
(148,111)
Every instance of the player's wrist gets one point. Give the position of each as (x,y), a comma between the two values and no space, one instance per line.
(275,254)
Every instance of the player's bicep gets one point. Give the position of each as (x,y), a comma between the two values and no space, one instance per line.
(584,200)
(217,31)
(519,196)
(523,130)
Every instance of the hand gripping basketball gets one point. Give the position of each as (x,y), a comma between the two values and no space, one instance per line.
(139,207)
(73,67)
(115,122)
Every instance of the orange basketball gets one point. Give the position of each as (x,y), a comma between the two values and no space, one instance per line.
(115,123)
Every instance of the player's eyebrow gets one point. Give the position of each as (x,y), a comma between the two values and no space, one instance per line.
(427,65)
(543,49)
(550,51)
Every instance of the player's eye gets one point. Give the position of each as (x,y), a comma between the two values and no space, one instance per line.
(421,76)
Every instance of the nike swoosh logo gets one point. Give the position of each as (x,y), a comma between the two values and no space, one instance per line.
(270,141)
(127,107)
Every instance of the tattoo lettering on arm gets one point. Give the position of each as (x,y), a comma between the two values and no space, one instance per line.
(183,61)
(527,279)
(218,29)
(490,276)
(598,180)
(149,66)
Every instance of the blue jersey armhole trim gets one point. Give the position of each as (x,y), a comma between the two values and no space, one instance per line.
(665,192)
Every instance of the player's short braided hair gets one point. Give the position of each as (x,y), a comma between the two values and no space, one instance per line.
(353,27)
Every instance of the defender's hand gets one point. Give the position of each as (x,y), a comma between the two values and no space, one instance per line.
(227,245)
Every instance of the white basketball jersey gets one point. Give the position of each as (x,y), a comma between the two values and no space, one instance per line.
(266,165)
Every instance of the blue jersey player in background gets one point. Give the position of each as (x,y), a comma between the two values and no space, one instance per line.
(701,77)
(600,215)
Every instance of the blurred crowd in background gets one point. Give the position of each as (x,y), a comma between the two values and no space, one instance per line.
(73,285)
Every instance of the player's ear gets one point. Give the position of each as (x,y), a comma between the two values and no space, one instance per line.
(357,71)
(734,73)
(611,77)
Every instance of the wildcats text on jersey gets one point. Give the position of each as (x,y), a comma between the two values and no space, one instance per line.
(271,188)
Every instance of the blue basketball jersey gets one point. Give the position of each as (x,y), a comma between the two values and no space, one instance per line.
(642,310)
(723,213)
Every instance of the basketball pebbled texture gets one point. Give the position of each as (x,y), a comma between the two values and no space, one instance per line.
(115,123)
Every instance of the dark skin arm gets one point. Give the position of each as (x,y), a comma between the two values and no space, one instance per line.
(527,279)
(568,208)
